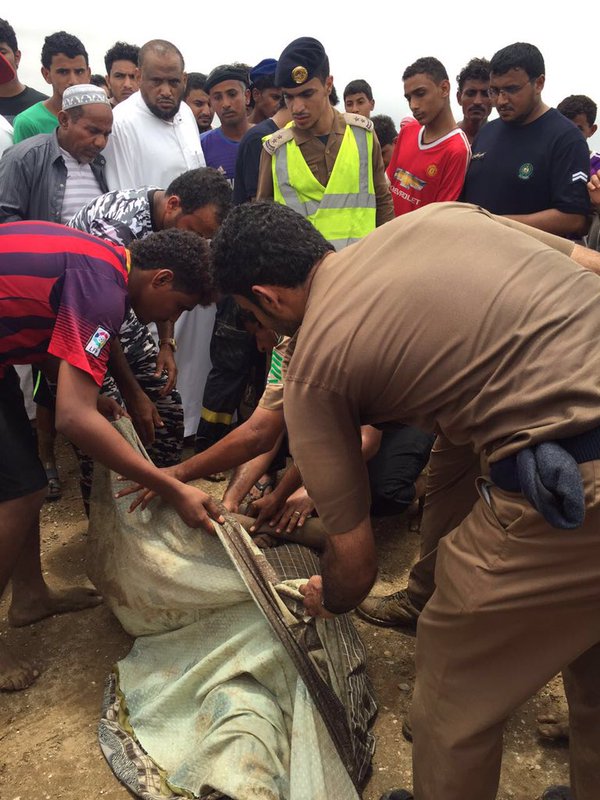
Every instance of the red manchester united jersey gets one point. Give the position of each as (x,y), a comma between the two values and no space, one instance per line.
(422,173)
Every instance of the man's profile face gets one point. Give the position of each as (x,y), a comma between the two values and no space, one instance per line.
(65,72)
(516,95)
(387,151)
(12,56)
(123,80)
(581,121)
(475,100)
(86,137)
(426,98)
(359,103)
(162,84)
(309,102)
(162,303)
(283,324)
(199,102)
(203,220)
(229,100)
(267,101)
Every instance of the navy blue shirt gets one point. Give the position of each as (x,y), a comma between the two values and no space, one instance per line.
(248,161)
(522,169)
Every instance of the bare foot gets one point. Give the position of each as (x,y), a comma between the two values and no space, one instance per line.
(32,609)
(552,728)
(14,674)
(264,540)
(216,477)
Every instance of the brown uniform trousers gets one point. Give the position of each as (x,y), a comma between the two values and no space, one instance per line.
(515,602)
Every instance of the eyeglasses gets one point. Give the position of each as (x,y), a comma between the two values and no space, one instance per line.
(508,91)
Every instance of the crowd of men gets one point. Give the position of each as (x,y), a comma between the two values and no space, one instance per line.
(375,299)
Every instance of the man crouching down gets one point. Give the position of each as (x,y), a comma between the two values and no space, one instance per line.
(64,296)
(486,333)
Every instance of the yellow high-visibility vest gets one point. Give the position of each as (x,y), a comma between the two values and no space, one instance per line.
(343,211)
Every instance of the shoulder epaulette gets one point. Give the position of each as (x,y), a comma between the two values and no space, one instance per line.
(275,140)
(358,120)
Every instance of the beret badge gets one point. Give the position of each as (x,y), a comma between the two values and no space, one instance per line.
(299,74)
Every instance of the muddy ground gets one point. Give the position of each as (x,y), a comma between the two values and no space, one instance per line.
(48,745)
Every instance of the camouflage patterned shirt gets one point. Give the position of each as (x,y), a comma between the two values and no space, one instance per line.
(120,216)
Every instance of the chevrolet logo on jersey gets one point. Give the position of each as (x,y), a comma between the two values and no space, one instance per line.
(408,180)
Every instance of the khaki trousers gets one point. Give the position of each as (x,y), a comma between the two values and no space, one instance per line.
(516,601)
(449,497)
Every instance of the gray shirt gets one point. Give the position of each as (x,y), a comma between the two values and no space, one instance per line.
(33,178)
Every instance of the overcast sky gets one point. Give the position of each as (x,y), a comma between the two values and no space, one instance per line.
(375,41)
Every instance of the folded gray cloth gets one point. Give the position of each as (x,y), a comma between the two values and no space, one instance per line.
(551,481)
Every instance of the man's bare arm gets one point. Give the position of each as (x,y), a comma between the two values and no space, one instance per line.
(348,570)
(252,438)
(246,475)
(78,419)
(590,259)
(554,221)
(594,190)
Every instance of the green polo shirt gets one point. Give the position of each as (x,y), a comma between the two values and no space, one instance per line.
(36,119)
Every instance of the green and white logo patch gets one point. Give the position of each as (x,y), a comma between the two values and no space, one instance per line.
(525,171)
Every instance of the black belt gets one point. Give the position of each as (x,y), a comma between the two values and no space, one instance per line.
(582,447)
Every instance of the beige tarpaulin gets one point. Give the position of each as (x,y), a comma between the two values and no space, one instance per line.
(227,690)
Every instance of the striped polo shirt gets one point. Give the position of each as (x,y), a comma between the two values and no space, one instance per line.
(62,293)
(81,187)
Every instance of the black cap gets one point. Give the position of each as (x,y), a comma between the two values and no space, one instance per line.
(227,72)
(299,62)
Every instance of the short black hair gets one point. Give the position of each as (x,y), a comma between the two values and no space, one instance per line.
(264,82)
(195,80)
(184,252)
(323,71)
(333,97)
(98,80)
(121,51)
(478,69)
(384,129)
(576,104)
(8,35)
(519,55)
(202,187)
(264,243)
(428,65)
(357,86)
(237,71)
(162,48)
(62,42)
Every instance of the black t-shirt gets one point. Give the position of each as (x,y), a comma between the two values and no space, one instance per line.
(11,106)
(248,161)
(522,169)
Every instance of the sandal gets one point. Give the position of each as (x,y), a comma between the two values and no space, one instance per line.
(260,489)
(54,484)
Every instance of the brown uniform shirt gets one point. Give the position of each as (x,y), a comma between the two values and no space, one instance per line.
(321,158)
(449,319)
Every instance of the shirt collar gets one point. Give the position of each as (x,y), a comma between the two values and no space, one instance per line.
(338,127)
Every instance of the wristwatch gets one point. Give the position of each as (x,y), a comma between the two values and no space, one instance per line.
(171,342)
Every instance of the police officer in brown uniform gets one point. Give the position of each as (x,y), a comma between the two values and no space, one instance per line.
(516,376)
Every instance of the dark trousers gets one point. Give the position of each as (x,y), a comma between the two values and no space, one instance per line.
(393,470)
(235,359)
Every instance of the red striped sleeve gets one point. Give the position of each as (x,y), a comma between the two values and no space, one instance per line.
(90,247)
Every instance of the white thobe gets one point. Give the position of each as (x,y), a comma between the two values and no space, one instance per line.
(144,150)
